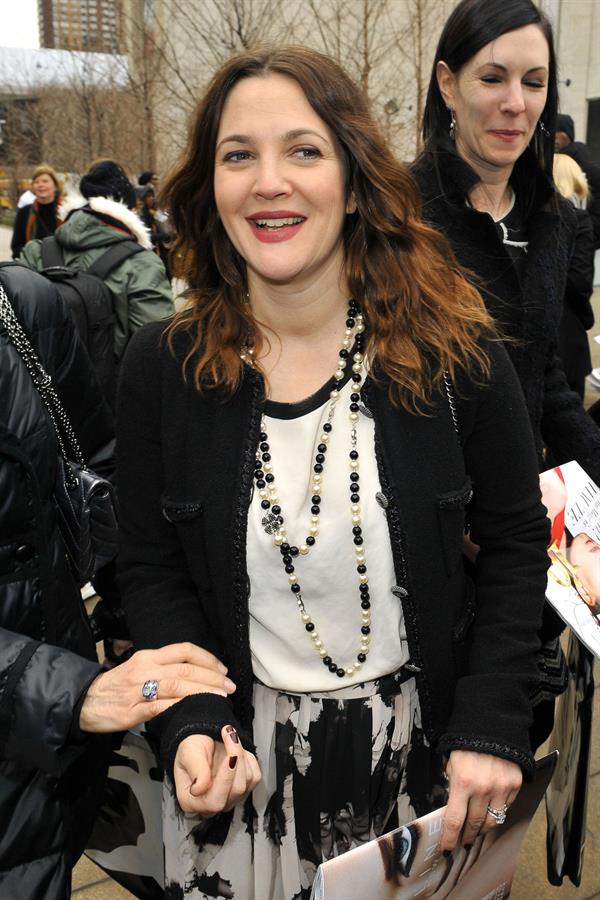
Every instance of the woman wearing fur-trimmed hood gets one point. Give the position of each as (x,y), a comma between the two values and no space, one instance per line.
(95,217)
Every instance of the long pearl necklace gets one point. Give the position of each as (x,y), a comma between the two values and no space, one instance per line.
(274,521)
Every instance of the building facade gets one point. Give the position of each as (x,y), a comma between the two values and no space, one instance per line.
(90,25)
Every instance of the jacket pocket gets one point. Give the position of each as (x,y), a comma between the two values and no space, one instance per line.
(179,511)
(452,519)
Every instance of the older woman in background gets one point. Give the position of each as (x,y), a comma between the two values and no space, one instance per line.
(38,219)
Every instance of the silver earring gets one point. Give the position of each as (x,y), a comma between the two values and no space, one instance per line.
(452,129)
(543,130)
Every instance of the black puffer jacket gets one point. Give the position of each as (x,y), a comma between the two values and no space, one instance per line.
(51,775)
(528,310)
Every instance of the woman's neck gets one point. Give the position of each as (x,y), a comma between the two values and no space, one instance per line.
(492,193)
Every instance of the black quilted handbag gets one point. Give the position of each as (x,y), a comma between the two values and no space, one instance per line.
(85,502)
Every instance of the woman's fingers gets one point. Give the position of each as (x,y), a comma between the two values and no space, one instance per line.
(192,770)
(187,652)
(454,819)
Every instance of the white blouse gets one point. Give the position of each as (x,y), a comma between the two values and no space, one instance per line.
(283,654)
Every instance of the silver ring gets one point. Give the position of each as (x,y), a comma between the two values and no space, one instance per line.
(150,690)
(498,814)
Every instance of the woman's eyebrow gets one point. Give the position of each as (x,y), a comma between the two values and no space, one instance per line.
(288,136)
(494,65)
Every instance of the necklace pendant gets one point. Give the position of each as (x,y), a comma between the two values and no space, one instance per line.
(270,523)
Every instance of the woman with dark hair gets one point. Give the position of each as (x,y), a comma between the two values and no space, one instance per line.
(298,454)
(485,177)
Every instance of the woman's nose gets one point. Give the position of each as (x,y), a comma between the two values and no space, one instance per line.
(271,180)
(514,100)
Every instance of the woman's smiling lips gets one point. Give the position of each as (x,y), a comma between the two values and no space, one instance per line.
(274,225)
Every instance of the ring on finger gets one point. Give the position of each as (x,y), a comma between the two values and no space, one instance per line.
(499,815)
(150,689)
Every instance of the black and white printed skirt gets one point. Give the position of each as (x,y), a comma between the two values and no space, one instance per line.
(338,769)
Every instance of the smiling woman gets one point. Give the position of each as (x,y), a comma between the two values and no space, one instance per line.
(293,496)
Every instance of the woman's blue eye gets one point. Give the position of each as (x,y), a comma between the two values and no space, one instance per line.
(307,152)
(236,156)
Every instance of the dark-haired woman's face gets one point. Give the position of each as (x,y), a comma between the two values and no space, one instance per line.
(498,97)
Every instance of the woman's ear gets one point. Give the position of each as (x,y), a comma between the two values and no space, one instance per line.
(446,82)
(351,205)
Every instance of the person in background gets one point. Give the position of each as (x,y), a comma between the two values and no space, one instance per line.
(485,177)
(298,453)
(58,706)
(149,178)
(149,215)
(39,218)
(101,215)
(564,142)
(578,315)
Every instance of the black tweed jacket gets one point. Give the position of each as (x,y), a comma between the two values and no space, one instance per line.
(185,466)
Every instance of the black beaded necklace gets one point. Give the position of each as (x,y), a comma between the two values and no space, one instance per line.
(274,522)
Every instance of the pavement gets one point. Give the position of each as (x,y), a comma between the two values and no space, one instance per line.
(530,883)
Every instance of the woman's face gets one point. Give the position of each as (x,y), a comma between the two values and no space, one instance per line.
(279,183)
(44,189)
(584,555)
(498,97)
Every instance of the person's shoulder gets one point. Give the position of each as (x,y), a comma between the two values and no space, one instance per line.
(149,341)
(32,296)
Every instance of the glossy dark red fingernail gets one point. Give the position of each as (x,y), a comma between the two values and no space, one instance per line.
(447,853)
(468,847)
(232,734)
(233,762)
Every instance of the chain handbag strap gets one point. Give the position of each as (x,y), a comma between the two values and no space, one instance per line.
(43,383)
(451,400)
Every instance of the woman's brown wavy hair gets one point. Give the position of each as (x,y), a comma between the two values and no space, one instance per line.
(423,316)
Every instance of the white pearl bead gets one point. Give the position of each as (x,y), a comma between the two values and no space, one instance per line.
(357,664)
(317,478)
(334,394)
(324,438)
(356,520)
(357,367)
(305,617)
(338,375)
(322,652)
(360,328)
(303,548)
(355,508)
(263,493)
(348,332)
(292,579)
(364,579)
(314,636)
(319,644)
(314,519)
(314,530)
(278,540)
(350,670)
(342,363)
(267,467)
(354,462)
(358,357)
(353,417)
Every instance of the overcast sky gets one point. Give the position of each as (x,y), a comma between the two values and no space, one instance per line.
(18,23)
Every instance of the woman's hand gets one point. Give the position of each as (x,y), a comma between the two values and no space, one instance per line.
(212,777)
(476,781)
(114,700)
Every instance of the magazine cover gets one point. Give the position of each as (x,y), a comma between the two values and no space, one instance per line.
(573,503)
(407,863)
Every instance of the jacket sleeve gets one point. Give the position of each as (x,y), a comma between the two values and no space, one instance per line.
(18,236)
(40,686)
(161,601)
(492,711)
(149,294)
(31,254)
(568,431)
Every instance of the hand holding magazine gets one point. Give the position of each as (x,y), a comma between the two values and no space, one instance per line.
(407,863)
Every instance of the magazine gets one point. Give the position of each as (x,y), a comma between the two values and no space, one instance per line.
(407,863)
(573,503)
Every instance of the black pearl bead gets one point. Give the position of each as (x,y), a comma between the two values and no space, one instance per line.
(280,519)
(332,667)
(344,353)
(315,510)
(361,569)
(287,559)
(363,588)
(356,530)
(261,483)
(327,427)
(258,473)
(355,397)
(361,658)
(265,504)
(317,467)
(355,497)
(310,626)
(356,378)
(322,448)
(320,457)
(294,551)
(310,540)
(276,509)
(316,499)
(269,477)
(365,629)
(289,568)
(263,435)
(340,673)
(266,457)
(264,446)
(365,604)
(358,540)
(354,407)
(354,476)
(326,660)
(350,323)
(295,588)
(284,549)
(353,454)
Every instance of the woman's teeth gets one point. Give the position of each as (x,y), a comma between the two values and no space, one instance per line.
(277,223)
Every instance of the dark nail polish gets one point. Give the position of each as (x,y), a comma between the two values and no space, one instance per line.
(447,853)
(233,762)
(229,729)
(233,734)
(468,847)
